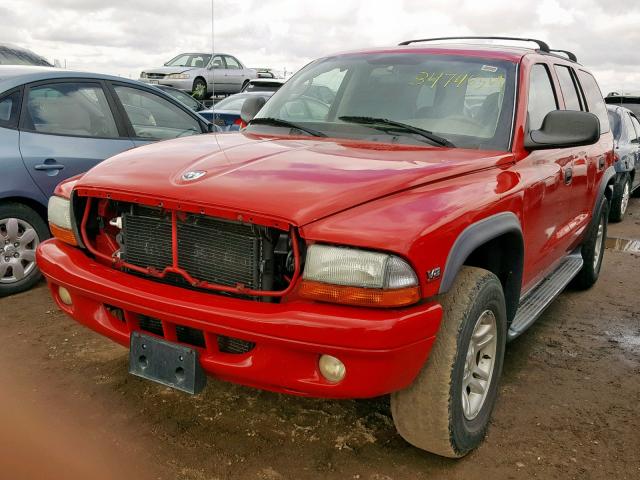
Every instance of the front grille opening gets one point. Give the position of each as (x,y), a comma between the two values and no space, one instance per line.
(151,325)
(209,250)
(234,345)
(191,336)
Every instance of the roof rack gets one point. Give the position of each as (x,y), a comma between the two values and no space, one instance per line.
(571,55)
(542,46)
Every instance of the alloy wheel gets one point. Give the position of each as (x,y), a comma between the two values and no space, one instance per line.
(18,242)
(479,364)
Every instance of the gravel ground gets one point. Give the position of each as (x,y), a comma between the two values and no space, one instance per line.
(568,406)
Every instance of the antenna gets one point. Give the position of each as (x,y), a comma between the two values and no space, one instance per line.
(213,70)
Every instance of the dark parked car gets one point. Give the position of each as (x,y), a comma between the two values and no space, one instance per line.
(630,101)
(55,124)
(626,131)
(226,113)
(263,85)
(14,55)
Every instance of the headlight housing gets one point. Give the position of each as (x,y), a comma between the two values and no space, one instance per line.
(358,277)
(178,76)
(143,75)
(59,212)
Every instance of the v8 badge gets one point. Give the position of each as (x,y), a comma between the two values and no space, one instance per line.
(433,274)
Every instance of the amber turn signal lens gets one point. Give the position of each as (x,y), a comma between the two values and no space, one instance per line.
(63,234)
(363,297)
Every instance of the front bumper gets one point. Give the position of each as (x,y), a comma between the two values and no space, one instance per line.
(383,350)
(185,85)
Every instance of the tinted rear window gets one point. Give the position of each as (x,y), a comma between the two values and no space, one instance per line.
(595,102)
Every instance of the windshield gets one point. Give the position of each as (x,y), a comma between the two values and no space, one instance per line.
(468,101)
(9,56)
(195,60)
(234,102)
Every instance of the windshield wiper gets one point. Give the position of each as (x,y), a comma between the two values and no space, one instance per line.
(386,124)
(278,122)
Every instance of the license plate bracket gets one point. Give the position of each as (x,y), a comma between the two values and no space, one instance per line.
(170,364)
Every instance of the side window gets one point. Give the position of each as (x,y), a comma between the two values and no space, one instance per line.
(636,124)
(628,127)
(9,110)
(217,62)
(78,109)
(542,98)
(154,117)
(568,87)
(232,63)
(595,102)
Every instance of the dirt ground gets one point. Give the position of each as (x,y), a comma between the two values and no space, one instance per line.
(569,405)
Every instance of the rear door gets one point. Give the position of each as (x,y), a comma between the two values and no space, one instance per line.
(576,173)
(600,154)
(67,127)
(234,73)
(149,116)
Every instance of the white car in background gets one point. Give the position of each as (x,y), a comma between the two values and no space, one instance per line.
(191,72)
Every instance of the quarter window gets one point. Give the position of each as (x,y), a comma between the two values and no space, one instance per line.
(568,87)
(595,102)
(542,98)
(232,63)
(70,109)
(154,117)
(9,110)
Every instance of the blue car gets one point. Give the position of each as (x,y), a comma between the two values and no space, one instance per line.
(226,113)
(626,132)
(55,124)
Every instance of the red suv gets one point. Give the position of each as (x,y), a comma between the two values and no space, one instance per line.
(389,239)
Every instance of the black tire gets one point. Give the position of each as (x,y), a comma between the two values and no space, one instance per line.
(618,205)
(25,214)
(429,414)
(200,83)
(590,271)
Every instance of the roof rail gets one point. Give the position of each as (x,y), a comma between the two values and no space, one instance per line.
(571,55)
(542,46)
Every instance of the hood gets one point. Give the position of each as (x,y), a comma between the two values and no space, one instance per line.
(293,179)
(167,70)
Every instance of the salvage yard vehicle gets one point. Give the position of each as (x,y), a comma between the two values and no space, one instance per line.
(55,124)
(626,135)
(192,72)
(390,242)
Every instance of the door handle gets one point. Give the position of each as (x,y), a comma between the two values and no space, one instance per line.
(568,175)
(50,166)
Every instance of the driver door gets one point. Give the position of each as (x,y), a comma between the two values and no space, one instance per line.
(150,117)
(216,77)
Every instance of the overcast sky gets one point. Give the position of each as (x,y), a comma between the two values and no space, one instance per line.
(123,36)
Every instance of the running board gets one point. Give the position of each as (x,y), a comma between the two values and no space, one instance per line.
(536,301)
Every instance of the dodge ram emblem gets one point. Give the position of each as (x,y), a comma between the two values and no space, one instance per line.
(192,175)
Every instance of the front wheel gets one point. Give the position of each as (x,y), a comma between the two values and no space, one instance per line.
(620,200)
(447,409)
(21,230)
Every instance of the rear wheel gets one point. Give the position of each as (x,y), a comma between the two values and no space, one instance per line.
(593,250)
(447,409)
(620,200)
(21,231)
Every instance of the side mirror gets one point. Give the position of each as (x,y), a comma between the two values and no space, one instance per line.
(564,128)
(251,107)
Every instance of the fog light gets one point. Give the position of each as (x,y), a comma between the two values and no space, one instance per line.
(332,369)
(65,296)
